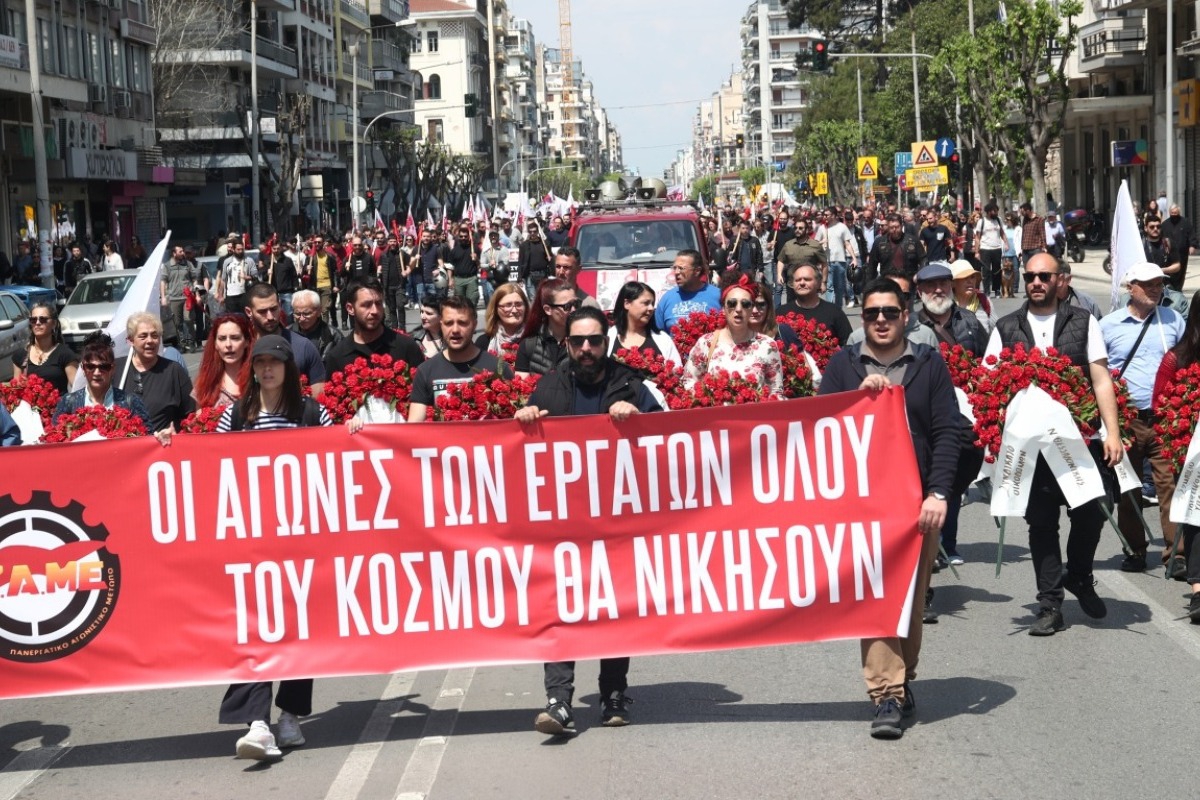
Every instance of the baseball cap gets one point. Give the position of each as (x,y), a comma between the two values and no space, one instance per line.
(935,271)
(274,346)
(1142,272)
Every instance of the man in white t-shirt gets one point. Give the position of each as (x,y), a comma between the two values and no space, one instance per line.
(993,243)
(843,253)
(1042,322)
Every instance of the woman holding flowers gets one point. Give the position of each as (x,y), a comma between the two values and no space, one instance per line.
(736,348)
(763,319)
(47,356)
(633,324)
(225,364)
(504,320)
(97,362)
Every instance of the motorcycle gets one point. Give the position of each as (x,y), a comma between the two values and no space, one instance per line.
(1077,224)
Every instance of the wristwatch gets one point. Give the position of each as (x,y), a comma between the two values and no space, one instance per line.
(937,496)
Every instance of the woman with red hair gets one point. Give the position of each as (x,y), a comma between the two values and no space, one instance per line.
(736,349)
(225,365)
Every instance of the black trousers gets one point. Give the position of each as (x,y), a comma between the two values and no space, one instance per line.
(990,259)
(249,702)
(1042,515)
(560,678)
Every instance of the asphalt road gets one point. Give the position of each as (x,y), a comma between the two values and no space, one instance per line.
(1097,711)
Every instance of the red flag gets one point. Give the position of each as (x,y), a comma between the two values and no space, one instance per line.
(396,229)
(271,241)
(246,240)
(410,226)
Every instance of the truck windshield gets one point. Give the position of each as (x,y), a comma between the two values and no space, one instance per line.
(620,242)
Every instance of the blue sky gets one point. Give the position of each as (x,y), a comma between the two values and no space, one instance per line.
(649,53)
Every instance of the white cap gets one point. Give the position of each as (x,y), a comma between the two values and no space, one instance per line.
(1142,272)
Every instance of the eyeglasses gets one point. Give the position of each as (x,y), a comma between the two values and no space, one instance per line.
(570,305)
(1044,277)
(93,367)
(39,320)
(732,305)
(890,313)
(303,314)
(592,339)
(511,306)
(1152,227)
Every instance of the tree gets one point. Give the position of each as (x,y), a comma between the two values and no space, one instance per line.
(283,172)
(182,86)
(561,182)
(831,147)
(426,173)
(753,176)
(705,186)
(847,21)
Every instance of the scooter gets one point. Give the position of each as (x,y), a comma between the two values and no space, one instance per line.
(1077,223)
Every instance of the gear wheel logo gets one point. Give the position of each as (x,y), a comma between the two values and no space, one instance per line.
(59,579)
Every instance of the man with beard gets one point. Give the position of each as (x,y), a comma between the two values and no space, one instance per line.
(591,384)
(1156,246)
(895,251)
(234,275)
(368,335)
(937,239)
(391,276)
(745,254)
(533,259)
(1178,231)
(76,267)
(458,362)
(1044,322)
(691,294)
(801,249)
(359,263)
(808,303)
(464,265)
(262,307)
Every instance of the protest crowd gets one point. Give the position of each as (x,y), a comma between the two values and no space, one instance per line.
(313,334)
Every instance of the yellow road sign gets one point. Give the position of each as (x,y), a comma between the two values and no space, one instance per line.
(924,154)
(821,187)
(868,168)
(926,178)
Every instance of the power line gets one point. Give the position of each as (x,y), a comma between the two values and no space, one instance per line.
(659,105)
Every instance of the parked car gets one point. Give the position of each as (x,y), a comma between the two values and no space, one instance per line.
(32,295)
(14,331)
(92,305)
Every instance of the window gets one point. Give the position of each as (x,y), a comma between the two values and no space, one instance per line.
(71,62)
(432,38)
(116,61)
(416,43)
(139,66)
(95,57)
(433,88)
(49,64)
(434,134)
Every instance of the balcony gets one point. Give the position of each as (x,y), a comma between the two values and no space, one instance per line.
(388,10)
(387,55)
(478,60)
(364,69)
(276,5)
(274,60)
(1113,42)
(139,32)
(355,12)
(372,104)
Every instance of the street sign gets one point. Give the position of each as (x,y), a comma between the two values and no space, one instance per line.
(926,178)
(868,168)
(902,182)
(822,185)
(924,154)
(358,205)
(1130,153)
(903,161)
(945,147)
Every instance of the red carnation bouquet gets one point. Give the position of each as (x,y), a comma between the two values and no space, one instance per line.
(1017,369)
(508,352)
(666,375)
(819,342)
(720,388)
(38,392)
(383,377)
(486,396)
(797,376)
(203,420)
(111,423)
(964,366)
(1178,409)
(688,330)
(1126,410)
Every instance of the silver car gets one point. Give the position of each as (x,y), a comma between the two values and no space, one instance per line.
(92,305)
(14,332)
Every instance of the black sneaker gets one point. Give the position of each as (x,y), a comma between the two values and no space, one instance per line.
(615,710)
(886,722)
(1134,562)
(909,706)
(556,720)
(1084,589)
(1194,608)
(1049,621)
(1177,568)
(929,616)
(939,563)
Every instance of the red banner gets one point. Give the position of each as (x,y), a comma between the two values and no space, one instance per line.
(309,553)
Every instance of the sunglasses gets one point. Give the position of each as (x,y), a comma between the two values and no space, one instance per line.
(570,305)
(760,305)
(890,313)
(1152,227)
(593,339)
(732,305)
(1033,277)
(93,367)
(40,320)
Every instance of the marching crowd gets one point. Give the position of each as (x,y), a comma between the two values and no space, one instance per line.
(919,277)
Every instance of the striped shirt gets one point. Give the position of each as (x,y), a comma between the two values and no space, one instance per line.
(265,421)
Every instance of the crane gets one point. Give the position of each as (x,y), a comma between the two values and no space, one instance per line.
(568,79)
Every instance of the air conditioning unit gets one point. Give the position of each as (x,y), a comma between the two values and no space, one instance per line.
(97,93)
(122,99)
(89,135)
(117,4)
(69,132)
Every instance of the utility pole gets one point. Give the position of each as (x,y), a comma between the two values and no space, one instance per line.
(255,133)
(41,182)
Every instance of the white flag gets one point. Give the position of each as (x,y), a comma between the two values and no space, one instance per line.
(1125,244)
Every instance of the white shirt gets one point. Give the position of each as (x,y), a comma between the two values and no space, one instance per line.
(839,242)
(1042,326)
(990,232)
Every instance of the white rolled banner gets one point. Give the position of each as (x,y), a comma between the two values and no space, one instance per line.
(376,410)
(816,371)
(1037,424)
(1185,506)
(29,422)
(1127,477)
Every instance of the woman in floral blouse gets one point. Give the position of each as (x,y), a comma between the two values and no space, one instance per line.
(736,349)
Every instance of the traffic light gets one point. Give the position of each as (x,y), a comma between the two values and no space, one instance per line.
(330,204)
(740,140)
(717,160)
(471,102)
(820,56)
(370,202)
(954,166)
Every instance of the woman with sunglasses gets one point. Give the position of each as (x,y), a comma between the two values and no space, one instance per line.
(736,348)
(97,362)
(225,364)
(633,324)
(541,350)
(764,321)
(47,356)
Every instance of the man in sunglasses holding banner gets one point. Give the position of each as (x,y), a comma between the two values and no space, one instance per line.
(1045,322)
(883,359)
(589,383)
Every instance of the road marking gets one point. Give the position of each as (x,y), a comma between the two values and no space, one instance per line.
(26,767)
(358,764)
(1160,617)
(422,768)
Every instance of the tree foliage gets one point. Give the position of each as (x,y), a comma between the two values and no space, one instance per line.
(705,186)
(426,174)
(753,176)
(832,147)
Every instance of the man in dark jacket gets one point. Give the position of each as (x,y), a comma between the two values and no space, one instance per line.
(896,250)
(886,358)
(1045,322)
(745,253)
(395,286)
(1178,231)
(534,262)
(592,383)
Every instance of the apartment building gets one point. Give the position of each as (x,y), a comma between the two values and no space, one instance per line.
(530,129)
(575,116)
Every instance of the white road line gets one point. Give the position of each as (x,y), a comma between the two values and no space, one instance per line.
(422,768)
(1182,634)
(358,764)
(25,769)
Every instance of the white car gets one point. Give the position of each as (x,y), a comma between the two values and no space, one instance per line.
(92,305)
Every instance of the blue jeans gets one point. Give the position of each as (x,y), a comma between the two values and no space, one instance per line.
(416,287)
(285,303)
(486,288)
(835,292)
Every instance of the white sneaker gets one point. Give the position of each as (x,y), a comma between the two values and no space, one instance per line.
(289,730)
(258,743)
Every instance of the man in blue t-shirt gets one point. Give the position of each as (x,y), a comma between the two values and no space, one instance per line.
(692,294)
